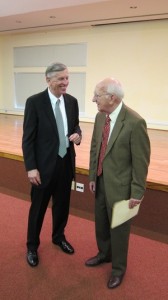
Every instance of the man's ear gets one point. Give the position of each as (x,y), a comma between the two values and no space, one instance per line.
(111,99)
(47,79)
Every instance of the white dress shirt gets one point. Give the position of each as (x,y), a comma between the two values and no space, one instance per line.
(113,116)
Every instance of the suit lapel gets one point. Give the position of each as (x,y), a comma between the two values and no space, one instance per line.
(49,111)
(100,124)
(117,129)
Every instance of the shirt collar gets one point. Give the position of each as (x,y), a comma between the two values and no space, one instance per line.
(54,98)
(113,116)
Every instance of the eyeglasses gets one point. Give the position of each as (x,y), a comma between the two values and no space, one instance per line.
(99,96)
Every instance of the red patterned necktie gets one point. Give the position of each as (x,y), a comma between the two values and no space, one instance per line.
(104,143)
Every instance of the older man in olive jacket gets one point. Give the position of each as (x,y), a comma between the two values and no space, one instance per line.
(123,175)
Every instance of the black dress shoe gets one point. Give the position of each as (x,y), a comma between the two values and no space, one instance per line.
(65,246)
(95,261)
(115,281)
(32,258)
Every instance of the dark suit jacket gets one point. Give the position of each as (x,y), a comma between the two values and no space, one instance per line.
(40,141)
(127,156)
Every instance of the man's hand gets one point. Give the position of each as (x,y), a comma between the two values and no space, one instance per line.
(75,138)
(134,202)
(34,177)
(92,186)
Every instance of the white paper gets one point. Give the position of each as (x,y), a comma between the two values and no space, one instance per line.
(122,213)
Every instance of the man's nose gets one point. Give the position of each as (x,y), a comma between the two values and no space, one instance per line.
(66,81)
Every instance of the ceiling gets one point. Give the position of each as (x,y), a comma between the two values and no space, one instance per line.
(34,15)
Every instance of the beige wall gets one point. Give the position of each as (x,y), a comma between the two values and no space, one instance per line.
(1,77)
(134,53)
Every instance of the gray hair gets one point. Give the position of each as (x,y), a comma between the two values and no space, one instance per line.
(54,68)
(115,87)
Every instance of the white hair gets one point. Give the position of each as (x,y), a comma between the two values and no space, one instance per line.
(114,87)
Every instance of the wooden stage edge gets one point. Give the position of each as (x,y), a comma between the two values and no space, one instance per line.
(82,171)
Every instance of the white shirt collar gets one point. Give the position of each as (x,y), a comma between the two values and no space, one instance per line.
(54,98)
(113,116)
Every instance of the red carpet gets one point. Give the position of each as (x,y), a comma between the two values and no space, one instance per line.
(63,277)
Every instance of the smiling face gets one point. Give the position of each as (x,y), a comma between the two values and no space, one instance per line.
(58,83)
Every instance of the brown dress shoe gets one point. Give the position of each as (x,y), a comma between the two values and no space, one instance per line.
(115,281)
(95,261)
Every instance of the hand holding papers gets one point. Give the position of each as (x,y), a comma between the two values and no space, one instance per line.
(122,213)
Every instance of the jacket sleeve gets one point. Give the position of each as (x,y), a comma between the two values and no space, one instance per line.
(77,128)
(140,149)
(29,135)
(93,154)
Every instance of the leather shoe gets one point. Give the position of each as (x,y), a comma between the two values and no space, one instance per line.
(32,258)
(115,281)
(95,261)
(65,246)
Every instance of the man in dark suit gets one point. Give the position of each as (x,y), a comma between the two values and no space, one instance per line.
(120,174)
(49,157)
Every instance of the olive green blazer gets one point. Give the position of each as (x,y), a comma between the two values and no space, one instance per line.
(127,156)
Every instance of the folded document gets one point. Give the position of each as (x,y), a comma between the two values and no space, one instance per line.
(122,213)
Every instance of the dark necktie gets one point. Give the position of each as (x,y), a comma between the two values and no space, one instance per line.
(60,125)
(105,135)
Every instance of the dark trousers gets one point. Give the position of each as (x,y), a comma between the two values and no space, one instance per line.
(112,243)
(59,189)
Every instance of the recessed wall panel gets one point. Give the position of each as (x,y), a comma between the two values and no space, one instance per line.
(27,84)
(41,56)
